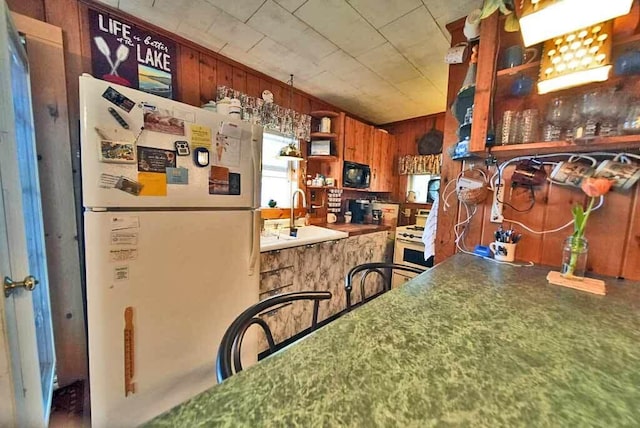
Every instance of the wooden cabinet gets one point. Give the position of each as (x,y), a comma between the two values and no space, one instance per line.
(381,161)
(357,140)
(320,267)
(494,95)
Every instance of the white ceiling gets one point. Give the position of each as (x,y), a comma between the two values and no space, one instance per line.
(379,59)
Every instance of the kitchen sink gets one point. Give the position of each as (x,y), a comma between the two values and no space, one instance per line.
(306,235)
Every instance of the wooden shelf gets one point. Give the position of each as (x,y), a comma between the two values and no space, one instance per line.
(324,113)
(322,157)
(322,187)
(519,69)
(548,147)
(329,135)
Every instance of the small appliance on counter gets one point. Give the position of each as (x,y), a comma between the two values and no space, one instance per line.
(356,175)
(360,210)
(389,213)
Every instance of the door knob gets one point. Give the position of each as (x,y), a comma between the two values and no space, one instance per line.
(29,283)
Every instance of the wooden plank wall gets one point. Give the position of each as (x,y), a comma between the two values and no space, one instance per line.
(613,231)
(407,133)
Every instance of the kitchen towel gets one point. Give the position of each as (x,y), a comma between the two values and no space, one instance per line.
(429,234)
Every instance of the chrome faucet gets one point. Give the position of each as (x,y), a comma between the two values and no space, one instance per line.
(293,204)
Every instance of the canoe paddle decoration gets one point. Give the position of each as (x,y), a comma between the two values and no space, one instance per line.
(122,53)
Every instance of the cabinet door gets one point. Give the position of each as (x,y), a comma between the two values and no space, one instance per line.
(375,160)
(332,278)
(387,161)
(357,140)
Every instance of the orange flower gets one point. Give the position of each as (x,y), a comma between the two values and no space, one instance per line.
(596,186)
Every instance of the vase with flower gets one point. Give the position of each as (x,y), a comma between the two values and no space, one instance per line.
(575,248)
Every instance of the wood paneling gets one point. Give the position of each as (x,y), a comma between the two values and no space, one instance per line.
(33,9)
(224,74)
(253,85)
(406,134)
(208,78)
(239,80)
(188,72)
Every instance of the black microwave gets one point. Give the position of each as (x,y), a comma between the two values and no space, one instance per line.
(356,175)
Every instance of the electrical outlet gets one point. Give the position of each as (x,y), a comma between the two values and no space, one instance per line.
(497,206)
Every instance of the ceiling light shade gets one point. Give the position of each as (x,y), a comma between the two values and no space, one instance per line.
(576,58)
(545,19)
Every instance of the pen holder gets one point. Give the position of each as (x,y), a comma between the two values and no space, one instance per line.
(503,251)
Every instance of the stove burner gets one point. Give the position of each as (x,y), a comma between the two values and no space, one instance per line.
(415,228)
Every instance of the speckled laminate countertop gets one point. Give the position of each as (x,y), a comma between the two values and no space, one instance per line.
(468,343)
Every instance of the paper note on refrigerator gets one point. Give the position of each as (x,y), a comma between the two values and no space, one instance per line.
(227,151)
(154,184)
(201,136)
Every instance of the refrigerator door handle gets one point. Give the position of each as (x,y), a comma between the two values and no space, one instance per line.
(256,159)
(254,256)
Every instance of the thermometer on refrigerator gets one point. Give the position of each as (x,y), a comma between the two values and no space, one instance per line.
(129,385)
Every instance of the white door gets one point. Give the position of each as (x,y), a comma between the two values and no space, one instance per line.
(27,358)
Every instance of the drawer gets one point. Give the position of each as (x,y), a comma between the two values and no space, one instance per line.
(275,279)
(276,259)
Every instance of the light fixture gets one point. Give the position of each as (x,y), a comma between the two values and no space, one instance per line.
(291,152)
(576,58)
(545,19)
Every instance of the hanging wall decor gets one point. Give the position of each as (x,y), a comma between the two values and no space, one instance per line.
(417,164)
(128,55)
(268,114)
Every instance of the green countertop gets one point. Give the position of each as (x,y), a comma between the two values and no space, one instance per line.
(468,343)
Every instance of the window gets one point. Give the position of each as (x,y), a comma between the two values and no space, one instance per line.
(420,185)
(278,176)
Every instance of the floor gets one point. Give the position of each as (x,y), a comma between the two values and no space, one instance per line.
(67,407)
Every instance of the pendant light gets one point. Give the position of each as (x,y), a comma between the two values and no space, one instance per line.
(546,19)
(291,152)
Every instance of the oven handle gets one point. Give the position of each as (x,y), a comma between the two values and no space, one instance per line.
(406,241)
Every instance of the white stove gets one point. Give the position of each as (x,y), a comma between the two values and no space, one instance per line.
(411,233)
(409,251)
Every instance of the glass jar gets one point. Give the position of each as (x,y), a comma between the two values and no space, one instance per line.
(574,258)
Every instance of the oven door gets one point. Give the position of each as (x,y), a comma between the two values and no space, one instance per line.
(410,253)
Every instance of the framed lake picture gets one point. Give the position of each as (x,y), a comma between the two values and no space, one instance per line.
(128,55)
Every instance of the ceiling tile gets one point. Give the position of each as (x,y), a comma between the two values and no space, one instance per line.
(418,89)
(451,10)
(341,24)
(290,5)
(200,37)
(272,53)
(240,9)
(145,10)
(415,27)
(112,3)
(381,12)
(171,6)
(386,61)
(339,62)
(281,26)
(199,15)
(226,27)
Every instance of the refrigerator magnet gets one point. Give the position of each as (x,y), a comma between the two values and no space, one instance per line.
(219,181)
(118,99)
(234,183)
(182,148)
(177,176)
(130,186)
(118,118)
(151,159)
(201,156)
(117,151)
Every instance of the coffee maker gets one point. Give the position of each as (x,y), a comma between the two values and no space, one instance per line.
(360,210)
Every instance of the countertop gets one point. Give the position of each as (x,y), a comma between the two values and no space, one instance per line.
(356,229)
(467,343)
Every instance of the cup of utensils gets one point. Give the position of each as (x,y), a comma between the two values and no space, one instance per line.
(504,246)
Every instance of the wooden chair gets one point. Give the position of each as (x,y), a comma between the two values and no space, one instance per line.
(383,269)
(228,359)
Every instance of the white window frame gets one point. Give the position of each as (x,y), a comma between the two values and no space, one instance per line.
(276,171)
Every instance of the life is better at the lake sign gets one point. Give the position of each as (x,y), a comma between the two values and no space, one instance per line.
(125,54)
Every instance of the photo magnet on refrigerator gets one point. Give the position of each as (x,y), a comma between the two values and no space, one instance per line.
(118,99)
(177,176)
(219,181)
(234,183)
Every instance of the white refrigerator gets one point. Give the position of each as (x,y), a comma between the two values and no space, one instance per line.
(172,245)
